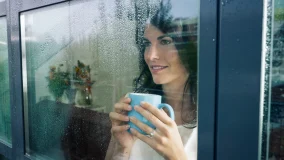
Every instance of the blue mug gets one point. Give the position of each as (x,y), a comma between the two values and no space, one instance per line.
(152,99)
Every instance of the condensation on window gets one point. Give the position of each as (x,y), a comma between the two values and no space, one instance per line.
(5,111)
(79,59)
(272,103)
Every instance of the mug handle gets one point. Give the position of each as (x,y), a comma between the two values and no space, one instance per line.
(169,108)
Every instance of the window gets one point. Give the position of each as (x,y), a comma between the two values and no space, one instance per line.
(80,58)
(5,113)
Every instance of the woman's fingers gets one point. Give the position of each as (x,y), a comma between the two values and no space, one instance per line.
(118,117)
(125,100)
(146,139)
(122,128)
(157,113)
(150,117)
(120,107)
(142,126)
(148,130)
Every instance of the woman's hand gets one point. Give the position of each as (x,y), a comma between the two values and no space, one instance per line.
(124,140)
(165,139)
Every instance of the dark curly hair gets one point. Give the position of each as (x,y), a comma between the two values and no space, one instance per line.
(186,45)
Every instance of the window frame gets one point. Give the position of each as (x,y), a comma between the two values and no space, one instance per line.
(207,72)
(239,80)
(13,9)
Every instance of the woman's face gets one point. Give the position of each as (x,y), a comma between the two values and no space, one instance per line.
(162,57)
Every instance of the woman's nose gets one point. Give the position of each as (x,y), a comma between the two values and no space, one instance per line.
(153,53)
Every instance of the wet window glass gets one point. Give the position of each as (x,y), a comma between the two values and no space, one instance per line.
(88,66)
(272,135)
(5,113)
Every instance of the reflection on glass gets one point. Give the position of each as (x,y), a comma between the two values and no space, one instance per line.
(272,142)
(81,58)
(5,113)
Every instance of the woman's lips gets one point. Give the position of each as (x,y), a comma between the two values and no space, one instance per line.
(156,68)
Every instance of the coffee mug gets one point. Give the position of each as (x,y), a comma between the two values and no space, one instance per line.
(155,100)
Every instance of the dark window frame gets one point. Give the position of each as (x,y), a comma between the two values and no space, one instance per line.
(13,10)
(239,78)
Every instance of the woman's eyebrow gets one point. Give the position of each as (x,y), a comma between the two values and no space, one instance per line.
(145,39)
(163,36)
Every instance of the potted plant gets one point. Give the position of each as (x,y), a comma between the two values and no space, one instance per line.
(58,81)
(83,83)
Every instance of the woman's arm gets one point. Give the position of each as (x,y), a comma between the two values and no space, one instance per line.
(115,152)
(110,149)
(122,141)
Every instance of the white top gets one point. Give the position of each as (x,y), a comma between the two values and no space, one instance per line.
(142,151)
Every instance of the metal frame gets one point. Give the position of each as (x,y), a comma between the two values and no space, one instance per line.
(16,87)
(239,79)
(5,150)
(208,50)
(207,78)
(267,40)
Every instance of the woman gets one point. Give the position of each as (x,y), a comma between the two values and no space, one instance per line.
(168,68)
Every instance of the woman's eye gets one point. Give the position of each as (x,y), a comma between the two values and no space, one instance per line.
(166,41)
(146,43)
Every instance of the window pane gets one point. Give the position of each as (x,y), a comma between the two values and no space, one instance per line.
(272,146)
(81,58)
(5,114)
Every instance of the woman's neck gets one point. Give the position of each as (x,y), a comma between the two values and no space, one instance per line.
(174,93)
(177,99)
